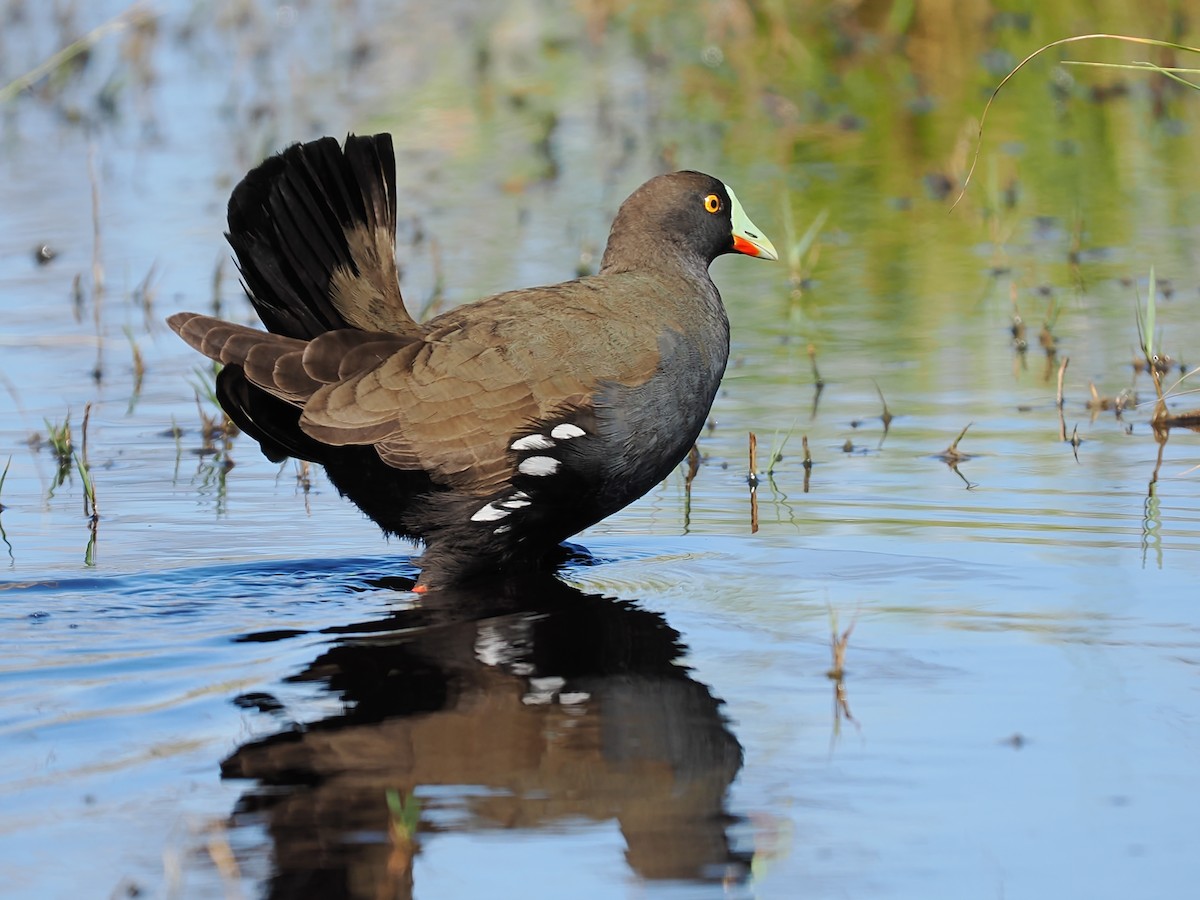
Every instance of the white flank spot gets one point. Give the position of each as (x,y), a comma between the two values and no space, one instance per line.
(515,504)
(538,465)
(532,442)
(489,513)
(566,431)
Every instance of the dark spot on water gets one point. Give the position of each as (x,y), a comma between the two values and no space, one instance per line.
(1015,21)
(267,637)
(263,702)
(922,104)
(1102,93)
(938,185)
(997,62)
(386,583)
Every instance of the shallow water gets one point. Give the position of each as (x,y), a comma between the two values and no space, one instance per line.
(221,691)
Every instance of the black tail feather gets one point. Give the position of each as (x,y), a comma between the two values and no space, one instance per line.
(381,492)
(373,162)
(288,225)
(270,421)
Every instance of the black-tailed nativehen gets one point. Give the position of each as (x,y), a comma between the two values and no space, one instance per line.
(500,428)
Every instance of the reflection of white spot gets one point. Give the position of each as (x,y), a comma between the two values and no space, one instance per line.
(572,698)
(489,513)
(532,442)
(538,465)
(542,690)
(566,431)
(504,645)
(502,529)
(491,648)
(515,504)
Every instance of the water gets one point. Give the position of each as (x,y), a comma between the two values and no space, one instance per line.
(227,689)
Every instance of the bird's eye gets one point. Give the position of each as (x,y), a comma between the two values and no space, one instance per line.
(712,203)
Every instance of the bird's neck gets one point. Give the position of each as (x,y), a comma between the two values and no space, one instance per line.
(633,252)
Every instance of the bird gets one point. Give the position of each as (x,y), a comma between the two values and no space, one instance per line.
(498,429)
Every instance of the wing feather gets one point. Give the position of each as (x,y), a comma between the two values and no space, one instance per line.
(450,401)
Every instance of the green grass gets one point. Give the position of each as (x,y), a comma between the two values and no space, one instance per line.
(89,488)
(58,439)
(3,476)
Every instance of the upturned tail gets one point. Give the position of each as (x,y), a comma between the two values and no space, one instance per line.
(314,231)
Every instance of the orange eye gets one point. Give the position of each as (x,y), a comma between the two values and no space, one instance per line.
(712,203)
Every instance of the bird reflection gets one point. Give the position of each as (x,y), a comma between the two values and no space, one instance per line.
(531,704)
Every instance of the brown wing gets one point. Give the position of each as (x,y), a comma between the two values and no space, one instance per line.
(288,368)
(452,403)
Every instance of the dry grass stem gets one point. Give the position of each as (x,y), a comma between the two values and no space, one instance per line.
(812,359)
(217,280)
(808,463)
(693,466)
(90,510)
(134,15)
(752,480)
(818,381)
(1062,371)
(886,416)
(3,476)
(97,265)
(838,644)
(752,473)
(952,454)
